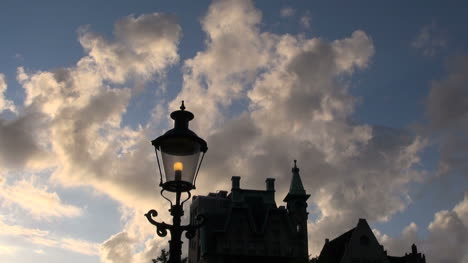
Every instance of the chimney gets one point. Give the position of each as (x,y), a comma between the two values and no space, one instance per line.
(270,184)
(414,249)
(235,183)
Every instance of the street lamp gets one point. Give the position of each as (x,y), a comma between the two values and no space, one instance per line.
(179,153)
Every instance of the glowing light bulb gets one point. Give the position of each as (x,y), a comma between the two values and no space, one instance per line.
(178,167)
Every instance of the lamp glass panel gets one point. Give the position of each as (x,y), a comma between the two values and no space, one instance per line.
(180,157)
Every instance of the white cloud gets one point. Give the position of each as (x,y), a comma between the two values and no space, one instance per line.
(37,200)
(83,106)
(298,106)
(398,246)
(47,239)
(39,251)
(448,236)
(71,123)
(145,45)
(235,52)
(297,91)
(447,240)
(120,248)
(79,246)
(4,103)
(8,250)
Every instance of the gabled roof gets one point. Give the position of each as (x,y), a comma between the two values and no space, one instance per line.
(344,246)
(334,250)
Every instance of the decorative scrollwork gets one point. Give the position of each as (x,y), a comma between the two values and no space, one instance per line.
(192,228)
(162,232)
(161,228)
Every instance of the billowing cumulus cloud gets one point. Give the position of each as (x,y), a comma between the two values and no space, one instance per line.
(448,236)
(402,244)
(84,105)
(117,249)
(120,248)
(74,117)
(447,239)
(297,92)
(295,102)
(235,51)
(18,142)
(145,45)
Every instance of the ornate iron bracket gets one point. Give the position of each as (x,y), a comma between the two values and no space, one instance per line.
(161,227)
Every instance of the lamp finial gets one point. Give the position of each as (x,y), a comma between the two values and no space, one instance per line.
(182,107)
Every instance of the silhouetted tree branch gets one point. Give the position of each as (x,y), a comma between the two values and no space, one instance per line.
(164,257)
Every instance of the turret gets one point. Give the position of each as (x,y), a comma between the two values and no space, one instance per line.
(296,189)
(296,200)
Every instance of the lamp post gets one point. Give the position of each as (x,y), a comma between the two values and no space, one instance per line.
(179,153)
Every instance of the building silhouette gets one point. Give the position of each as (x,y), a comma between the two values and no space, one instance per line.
(247,225)
(359,245)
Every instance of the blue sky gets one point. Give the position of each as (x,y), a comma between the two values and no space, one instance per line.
(369,97)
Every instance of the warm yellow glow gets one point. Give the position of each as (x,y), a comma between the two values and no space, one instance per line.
(178,166)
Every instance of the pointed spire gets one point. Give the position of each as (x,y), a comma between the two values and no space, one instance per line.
(296,188)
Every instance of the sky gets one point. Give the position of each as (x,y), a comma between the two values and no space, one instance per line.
(370,97)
